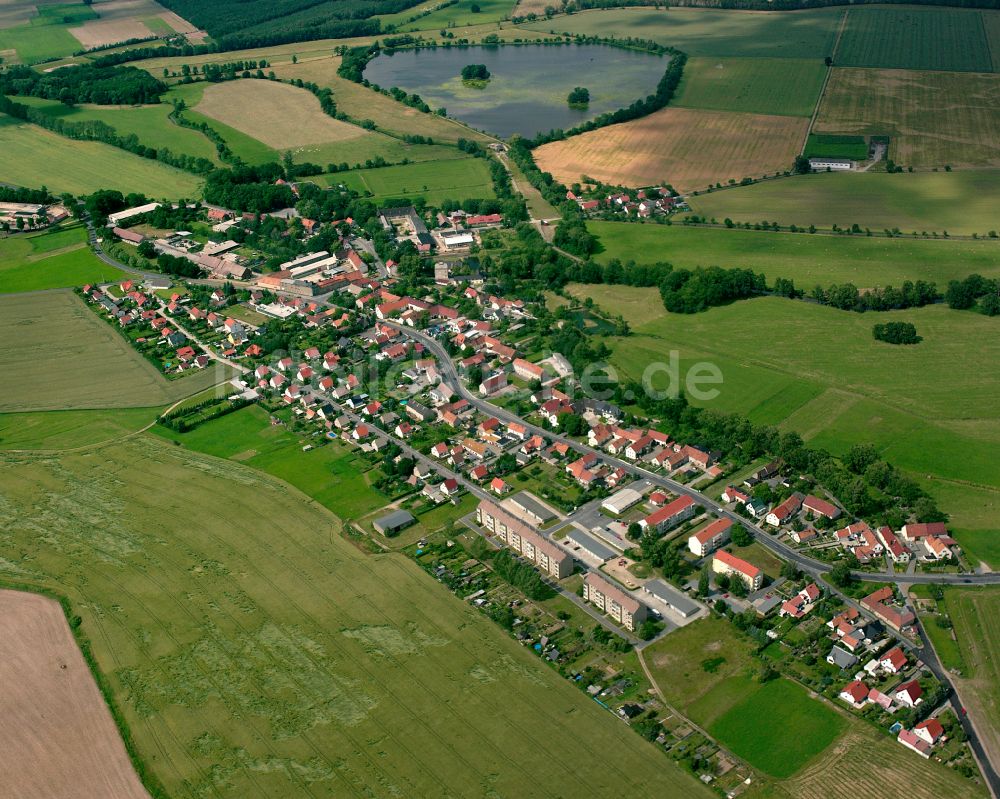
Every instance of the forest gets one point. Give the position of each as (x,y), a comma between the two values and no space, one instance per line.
(85,83)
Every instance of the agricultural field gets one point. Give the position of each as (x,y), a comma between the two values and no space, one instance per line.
(260,653)
(808,260)
(930,409)
(149,123)
(975,614)
(712,32)
(45,36)
(76,360)
(33,156)
(361,103)
(836,145)
(73,747)
(933,202)
(121,20)
(286,118)
(49,260)
(686,148)
(61,430)
(753,85)
(916,38)
(456,179)
(919,113)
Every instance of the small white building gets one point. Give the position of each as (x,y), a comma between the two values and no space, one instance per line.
(832,164)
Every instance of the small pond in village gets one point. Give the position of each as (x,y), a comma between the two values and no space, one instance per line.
(527,90)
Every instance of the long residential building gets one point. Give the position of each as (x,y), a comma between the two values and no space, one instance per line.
(624,609)
(726,563)
(670,515)
(710,537)
(524,539)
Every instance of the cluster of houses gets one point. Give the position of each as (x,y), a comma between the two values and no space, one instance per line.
(30,216)
(645,204)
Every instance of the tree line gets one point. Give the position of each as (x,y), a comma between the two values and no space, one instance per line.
(85,83)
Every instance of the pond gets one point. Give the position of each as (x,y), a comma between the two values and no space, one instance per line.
(528,84)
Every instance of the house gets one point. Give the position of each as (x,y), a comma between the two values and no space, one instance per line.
(726,563)
(929,730)
(450,487)
(911,533)
(893,661)
(936,549)
(733,494)
(498,486)
(662,519)
(710,537)
(785,511)
(403,430)
(820,507)
(855,694)
(699,458)
(909,693)
(529,371)
(493,384)
(914,743)
(622,607)
(803,536)
(841,658)
(882,604)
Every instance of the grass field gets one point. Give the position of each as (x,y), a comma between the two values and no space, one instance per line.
(55,354)
(58,430)
(257,653)
(456,179)
(452,16)
(33,156)
(806,729)
(48,260)
(956,202)
(752,85)
(47,35)
(975,613)
(362,103)
(59,739)
(834,145)
(686,148)
(930,410)
(808,260)
(916,38)
(712,32)
(919,112)
(286,118)
(149,124)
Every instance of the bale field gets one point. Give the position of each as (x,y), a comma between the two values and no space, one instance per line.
(59,740)
(933,119)
(56,353)
(686,148)
(256,652)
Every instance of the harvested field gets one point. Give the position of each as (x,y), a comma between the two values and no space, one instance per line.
(76,360)
(361,103)
(281,116)
(59,738)
(256,652)
(112,31)
(121,20)
(754,85)
(916,38)
(933,119)
(685,148)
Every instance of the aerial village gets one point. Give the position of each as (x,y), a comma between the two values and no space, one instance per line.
(453,385)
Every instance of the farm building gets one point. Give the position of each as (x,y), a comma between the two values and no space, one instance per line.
(831,164)
(392,523)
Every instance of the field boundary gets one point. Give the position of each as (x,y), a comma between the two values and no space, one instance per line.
(826,80)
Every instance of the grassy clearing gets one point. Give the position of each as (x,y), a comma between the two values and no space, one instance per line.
(686,148)
(918,112)
(752,85)
(455,179)
(262,654)
(809,260)
(149,123)
(56,353)
(956,202)
(362,103)
(807,728)
(33,156)
(916,38)
(712,32)
(53,259)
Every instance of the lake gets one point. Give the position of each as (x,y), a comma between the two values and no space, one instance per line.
(527,91)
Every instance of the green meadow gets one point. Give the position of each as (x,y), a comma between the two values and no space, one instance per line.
(807,259)
(50,260)
(753,85)
(953,202)
(455,179)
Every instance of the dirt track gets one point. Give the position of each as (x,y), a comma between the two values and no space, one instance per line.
(57,737)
